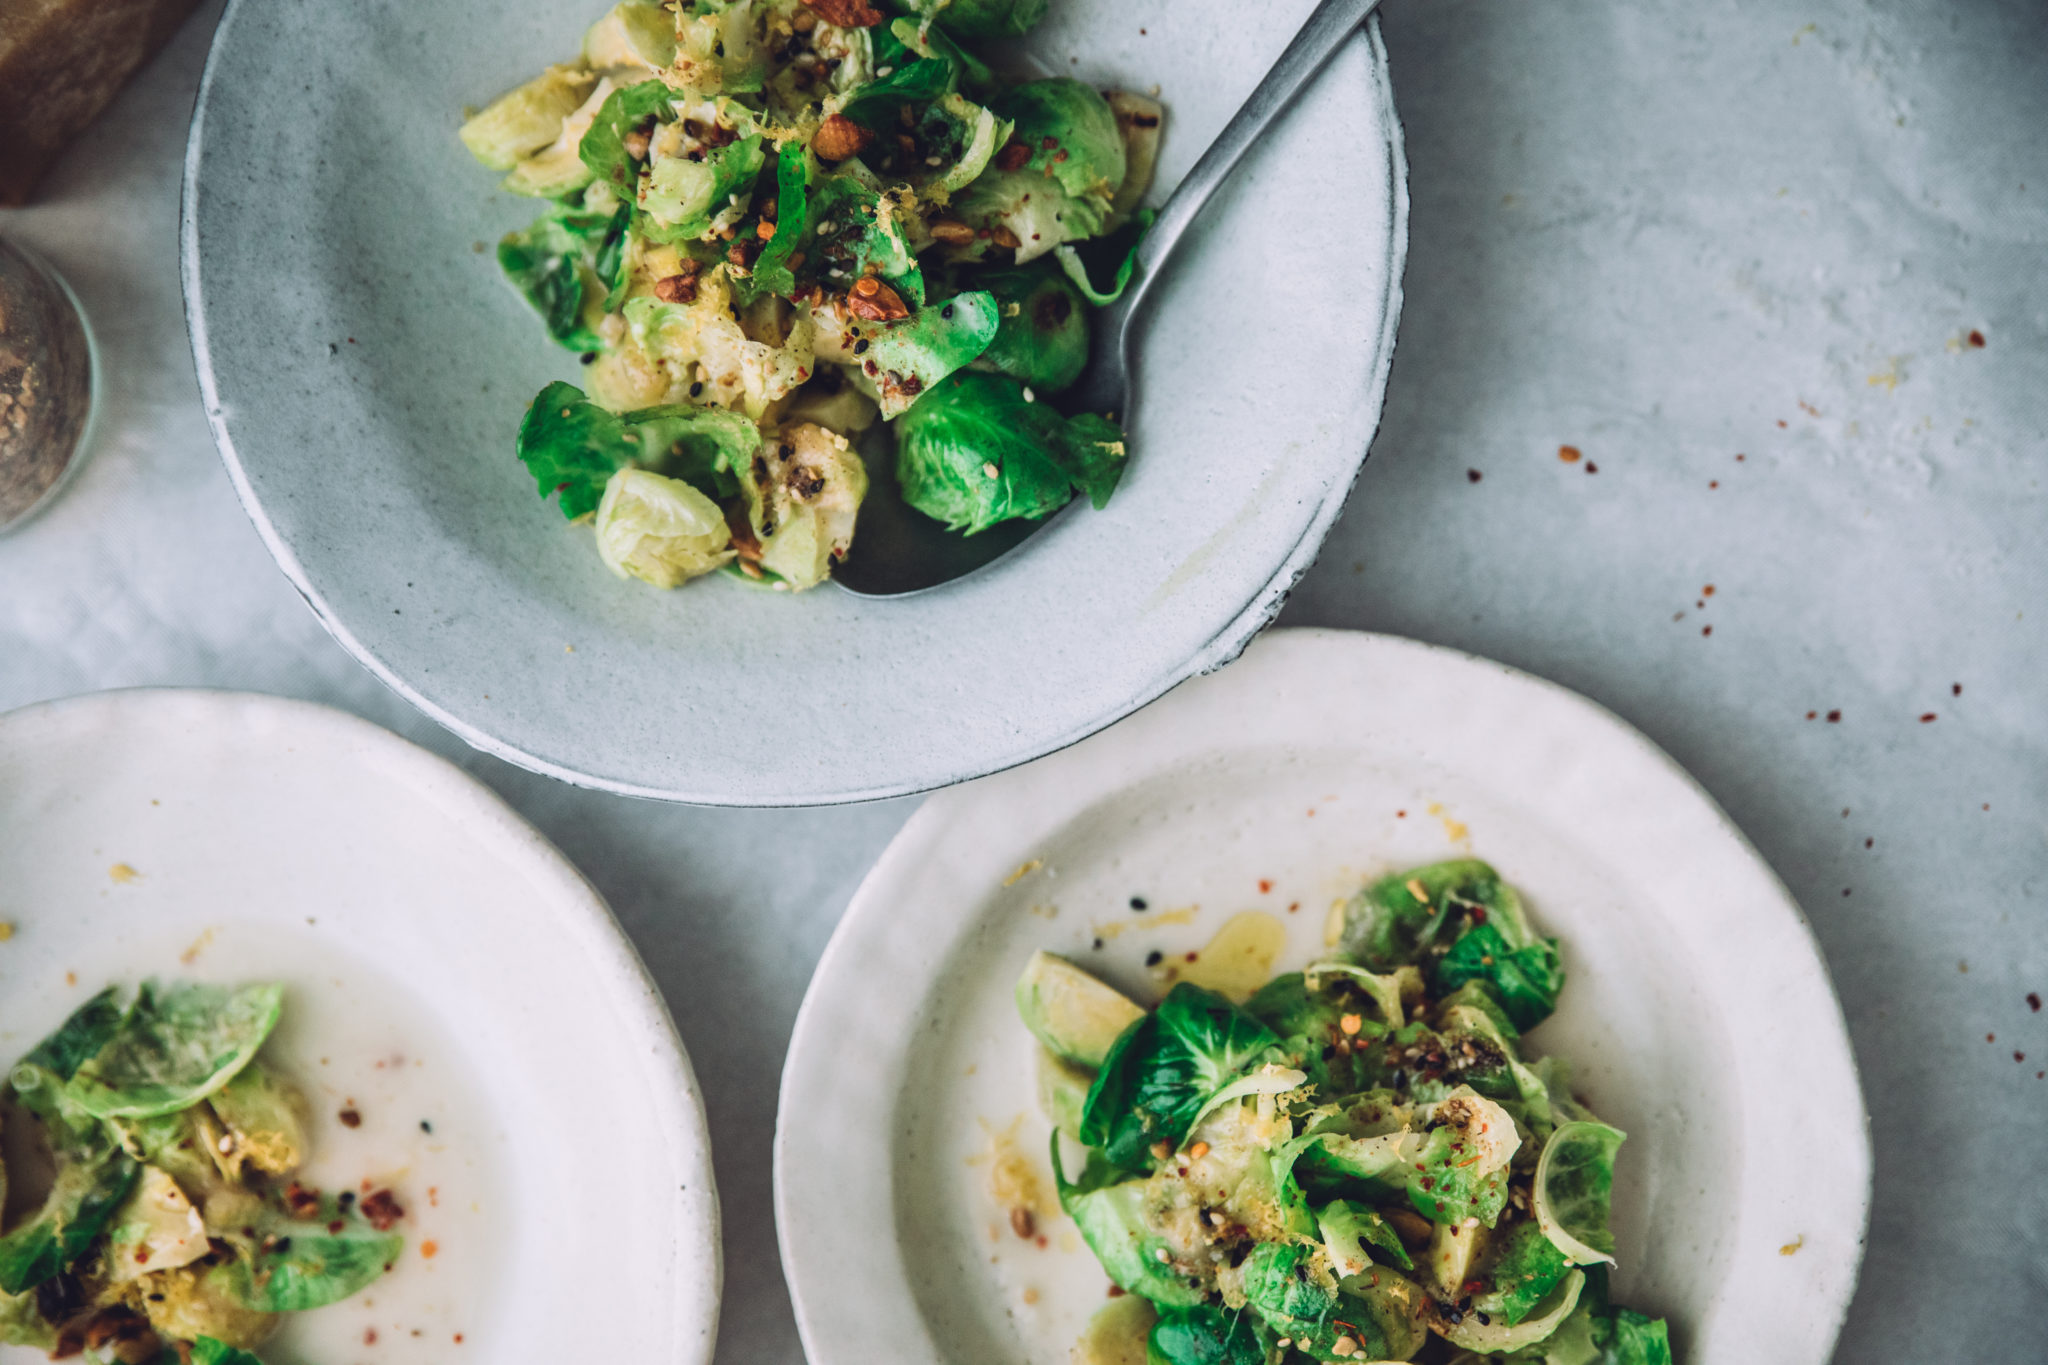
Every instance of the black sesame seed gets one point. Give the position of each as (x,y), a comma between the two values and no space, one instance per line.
(947,312)
(1137,902)
(426,1127)
(861,347)
(590,357)
(1098,945)
(696,390)
(1154,958)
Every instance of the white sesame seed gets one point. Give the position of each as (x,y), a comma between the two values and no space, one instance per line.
(882,71)
(1029,396)
(934,161)
(1161,1256)
(991,471)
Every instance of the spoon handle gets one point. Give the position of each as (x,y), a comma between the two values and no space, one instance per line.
(1326,31)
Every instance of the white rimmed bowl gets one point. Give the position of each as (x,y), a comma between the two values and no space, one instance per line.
(449,977)
(364,370)
(1697,1011)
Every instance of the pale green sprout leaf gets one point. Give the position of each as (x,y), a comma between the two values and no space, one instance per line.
(1573,1189)
(1270,1079)
(521,122)
(179,1044)
(660,530)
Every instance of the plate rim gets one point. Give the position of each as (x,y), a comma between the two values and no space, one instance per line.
(1228,642)
(872,903)
(576,905)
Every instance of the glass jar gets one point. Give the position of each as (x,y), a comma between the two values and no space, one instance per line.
(49,378)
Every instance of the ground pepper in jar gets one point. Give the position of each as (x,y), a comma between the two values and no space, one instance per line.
(46,384)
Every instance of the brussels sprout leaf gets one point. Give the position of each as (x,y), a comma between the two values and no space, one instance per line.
(573,447)
(1207,1334)
(1072,134)
(1522,1268)
(603,148)
(179,1044)
(917,80)
(970,72)
(1444,1184)
(1351,1231)
(551,263)
(1109,1209)
(82,1035)
(984,18)
(1042,332)
(207,1351)
(1113,260)
(84,1197)
(683,199)
(907,358)
(1526,981)
(1574,1186)
(22,1323)
(1164,1068)
(973,452)
(773,274)
(300,1266)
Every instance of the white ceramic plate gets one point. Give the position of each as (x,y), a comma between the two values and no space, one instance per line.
(446,969)
(365,370)
(1696,1010)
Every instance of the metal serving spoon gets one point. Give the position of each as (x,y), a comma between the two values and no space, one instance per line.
(900,550)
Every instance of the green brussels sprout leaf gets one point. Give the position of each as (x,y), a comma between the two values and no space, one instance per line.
(1042,328)
(974,451)
(573,447)
(81,1202)
(1103,267)
(1573,1189)
(603,148)
(177,1045)
(1164,1068)
(1108,1207)
(1072,135)
(984,18)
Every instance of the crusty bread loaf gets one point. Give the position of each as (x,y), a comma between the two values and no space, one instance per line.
(61,62)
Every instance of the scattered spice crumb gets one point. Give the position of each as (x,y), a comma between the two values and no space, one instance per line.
(1022,1223)
(1400,815)
(1834,718)
(1296,905)
(1713,483)
(1707,591)
(1793,1246)
(1781,423)
(458,1338)
(1138,903)
(434,1196)
(1024,871)
(1845,890)
(71,978)
(2034,1001)
(1926,717)
(1706,630)
(1869,842)
(1592,468)
(1473,476)
(350,1118)
(1098,945)
(2019,1056)
(369,1336)
(1990,1037)
(1976,338)
(1569,454)
(426,1127)
(123,873)
(1193,956)
(6,930)
(1955,689)
(1741,457)
(430,1249)
(1811,714)
(382,1209)
(1265,886)
(1030,1296)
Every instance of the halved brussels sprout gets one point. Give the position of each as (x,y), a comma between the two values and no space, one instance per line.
(1073,1013)
(156,1228)
(1138,121)
(1062,1091)
(185,1304)
(802,500)
(557,170)
(265,1117)
(516,125)
(1574,1185)
(1496,1337)
(660,530)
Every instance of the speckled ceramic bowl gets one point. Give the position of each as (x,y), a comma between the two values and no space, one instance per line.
(365,368)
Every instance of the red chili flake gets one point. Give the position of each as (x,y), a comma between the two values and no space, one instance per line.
(1592,468)
(1811,714)
(1741,457)
(1707,591)
(1116,1291)
(1294,906)
(2019,1056)
(1400,815)
(1569,454)
(383,1210)
(1706,630)
(1927,718)
(1193,956)
(1713,483)
(336,1226)
(1955,689)
(302,1202)
(369,1336)
(458,1338)
(1781,422)
(2034,1001)
(1833,718)
(1472,476)
(1976,338)
(1264,886)
(1990,1037)
(1868,842)
(1478,914)
(350,1118)
(1013,157)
